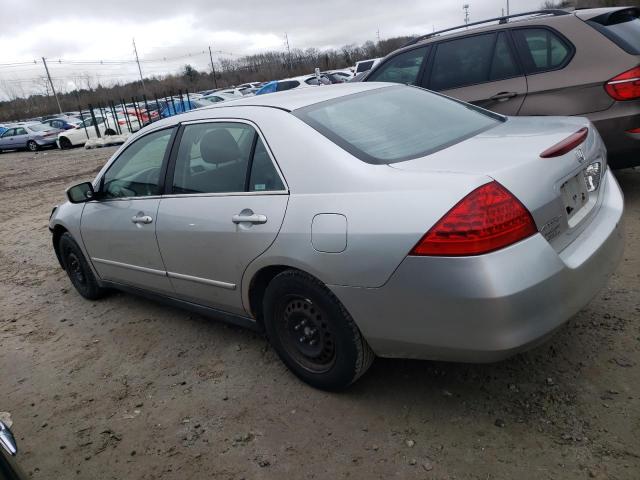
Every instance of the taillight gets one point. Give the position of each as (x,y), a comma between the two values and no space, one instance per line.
(487,219)
(625,86)
(566,145)
(634,130)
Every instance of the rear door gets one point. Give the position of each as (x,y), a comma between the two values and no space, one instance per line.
(119,229)
(225,207)
(20,138)
(562,81)
(480,69)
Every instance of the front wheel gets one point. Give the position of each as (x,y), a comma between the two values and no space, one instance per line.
(313,333)
(65,143)
(32,146)
(78,269)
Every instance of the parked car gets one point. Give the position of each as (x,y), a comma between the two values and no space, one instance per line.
(28,136)
(338,76)
(549,62)
(358,220)
(365,65)
(218,97)
(63,123)
(87,130)
(9,469)
(291,83)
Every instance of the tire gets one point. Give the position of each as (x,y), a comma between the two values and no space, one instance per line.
(78,270)
(313,333)
(32,146)
(65,143)
(109,132)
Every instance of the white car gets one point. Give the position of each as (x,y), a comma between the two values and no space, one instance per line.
(87,130)
(219,97)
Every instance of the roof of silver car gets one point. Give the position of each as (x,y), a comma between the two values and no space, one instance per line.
(299,97)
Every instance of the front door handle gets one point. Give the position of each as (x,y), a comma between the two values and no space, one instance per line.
(146,219)
(503,96)
(251,218)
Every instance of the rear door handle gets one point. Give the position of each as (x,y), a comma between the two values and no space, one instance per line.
(503,96)
(146,219)
(253,218)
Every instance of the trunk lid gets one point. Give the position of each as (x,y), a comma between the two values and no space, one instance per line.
(554,190)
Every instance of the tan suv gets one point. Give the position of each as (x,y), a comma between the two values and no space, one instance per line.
(549,62)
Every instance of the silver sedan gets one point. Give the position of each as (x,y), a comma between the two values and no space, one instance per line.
(354,220)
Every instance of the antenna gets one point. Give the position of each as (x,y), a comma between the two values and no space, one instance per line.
(378,35)
(139,68)
(286,40)
(465,7)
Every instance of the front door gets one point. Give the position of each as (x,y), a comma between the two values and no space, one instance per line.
(118,229)
(6,140)
(226,206)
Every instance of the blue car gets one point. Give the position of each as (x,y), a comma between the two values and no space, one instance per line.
(62,123)
(268,87)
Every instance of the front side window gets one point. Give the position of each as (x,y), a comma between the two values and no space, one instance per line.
(396,123)
(403,68)
(223,157)
(541,49)
(9,133)
(136,172)
(464,61)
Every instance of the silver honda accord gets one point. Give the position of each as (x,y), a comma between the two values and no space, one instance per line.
(354,220)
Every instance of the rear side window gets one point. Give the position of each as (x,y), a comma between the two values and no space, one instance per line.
(542,49)
(395,123)
(622,27)
(403,68)
(463,61)
(287,85)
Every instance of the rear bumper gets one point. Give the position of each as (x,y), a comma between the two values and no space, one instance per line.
(486,308)
(613,124)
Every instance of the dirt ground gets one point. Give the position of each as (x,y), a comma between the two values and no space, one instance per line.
(124,388)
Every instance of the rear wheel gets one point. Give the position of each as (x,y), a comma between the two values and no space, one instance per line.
(65,143)
(109,132)
(32,146)
(78,269)
(313,333)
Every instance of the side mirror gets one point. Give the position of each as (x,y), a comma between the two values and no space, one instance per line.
(83,192)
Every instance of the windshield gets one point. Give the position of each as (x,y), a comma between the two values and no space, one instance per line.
(622,27)
(394,124)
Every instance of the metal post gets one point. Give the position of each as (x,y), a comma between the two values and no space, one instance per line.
(106,119)
(158,106)
(188,99)
(83,125)
(172,103)
(146,105)
(181,101)
(213,69)
(115,117)
(138,62)
(126,115)
(135,108)
(51,83)
(93,119)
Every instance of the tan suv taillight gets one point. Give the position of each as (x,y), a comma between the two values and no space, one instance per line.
(625,86)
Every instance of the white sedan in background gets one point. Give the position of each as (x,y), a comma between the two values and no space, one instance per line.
(86,130)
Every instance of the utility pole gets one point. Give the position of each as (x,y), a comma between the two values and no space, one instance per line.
(465,7)
(213,69)
(507,8)
(51,83)
(378,35)
(286,39)
(139,68)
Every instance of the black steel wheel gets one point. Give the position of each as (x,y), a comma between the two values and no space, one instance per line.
(65,143)
(313,333)
(78,269)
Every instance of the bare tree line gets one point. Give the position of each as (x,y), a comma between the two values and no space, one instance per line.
(259,67)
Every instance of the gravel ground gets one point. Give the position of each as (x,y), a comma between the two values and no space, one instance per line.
(124,388)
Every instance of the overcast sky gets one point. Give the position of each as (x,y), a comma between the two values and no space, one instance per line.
(89,30)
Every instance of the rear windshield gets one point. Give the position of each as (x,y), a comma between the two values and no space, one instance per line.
(393,124)
(622,27)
